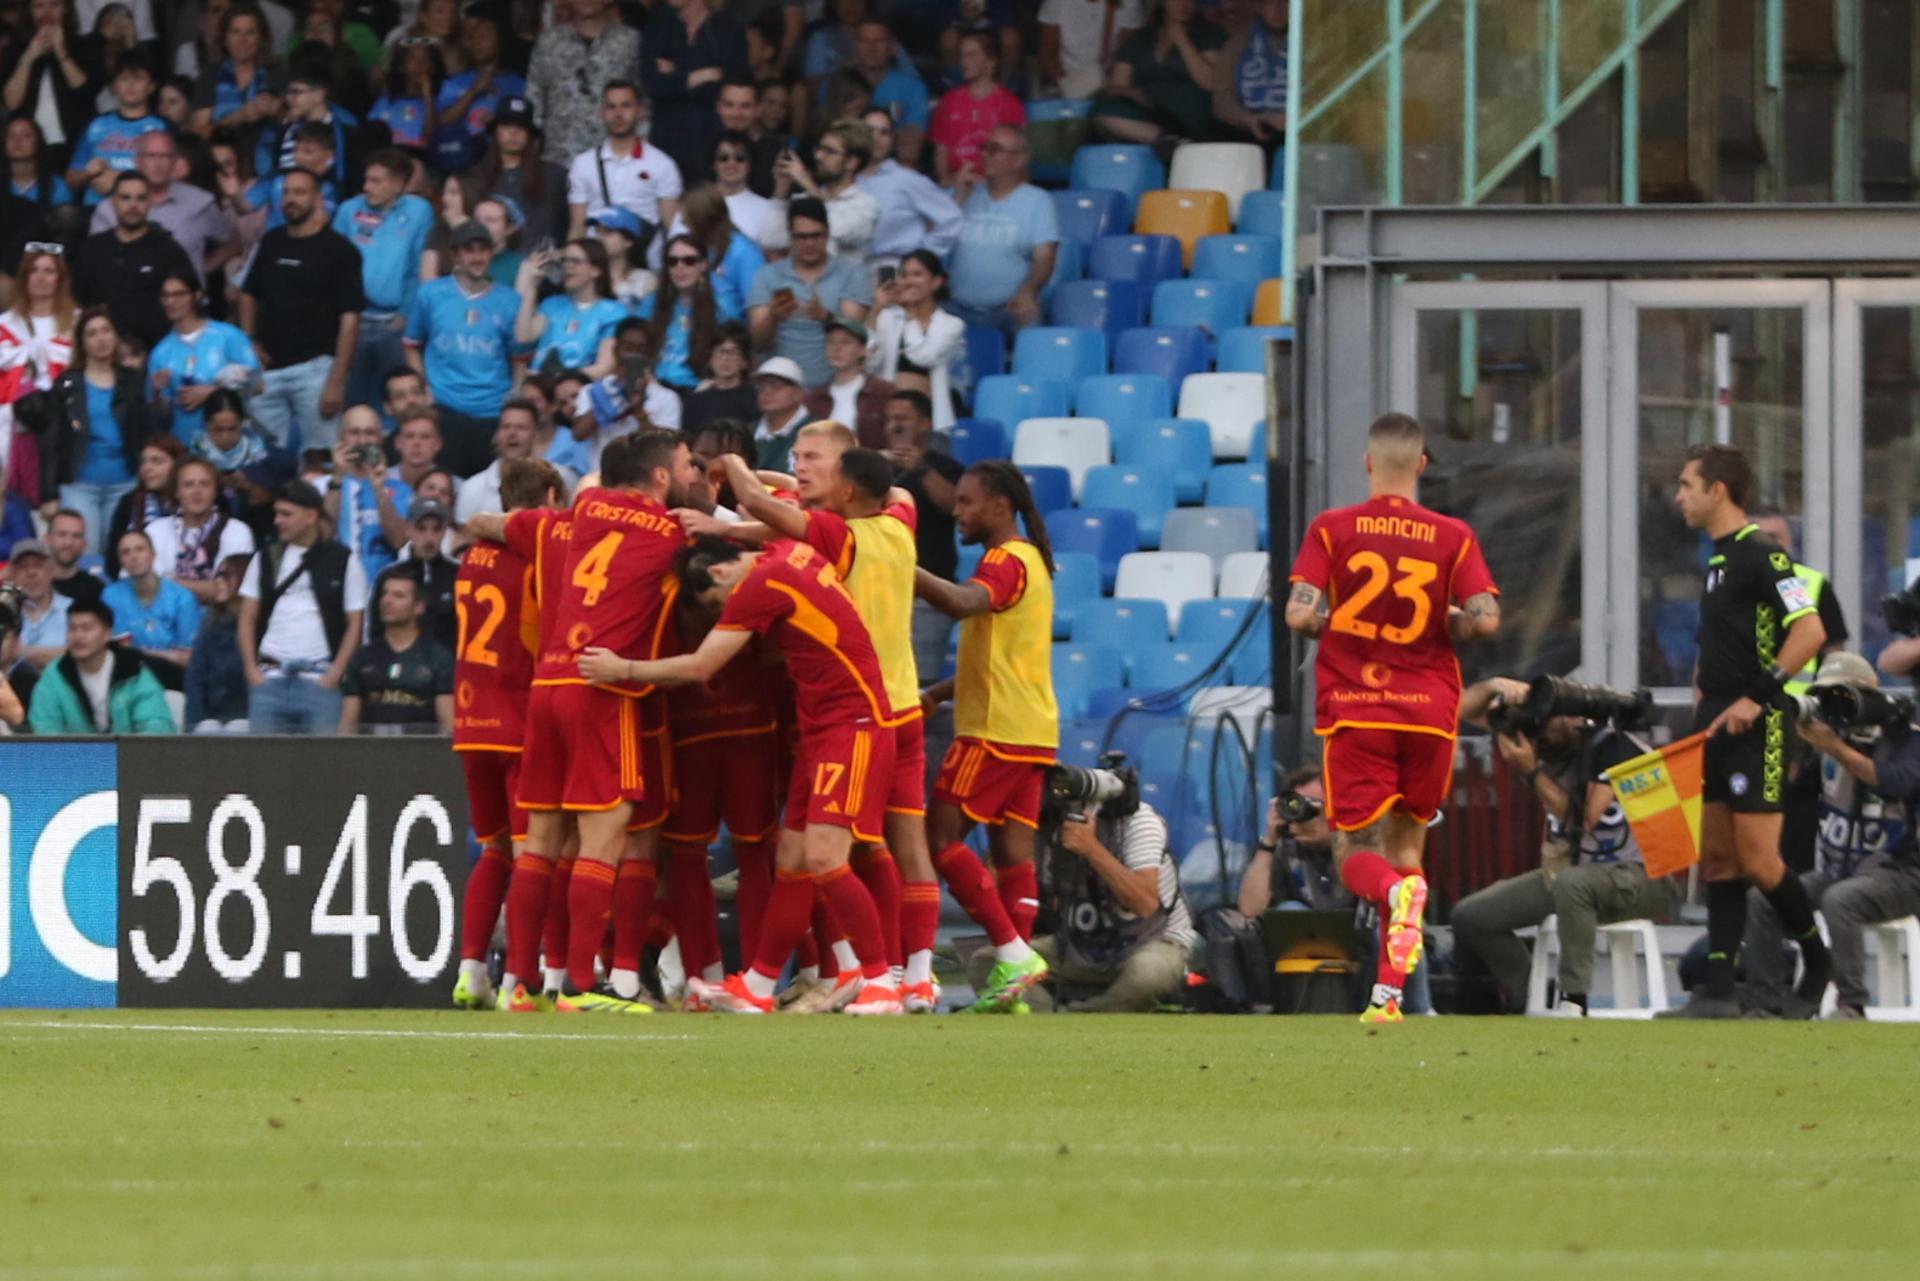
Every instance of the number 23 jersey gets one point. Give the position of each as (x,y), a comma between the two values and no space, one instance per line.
(1389,569)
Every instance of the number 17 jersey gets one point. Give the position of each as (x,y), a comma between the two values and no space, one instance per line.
(1389,569)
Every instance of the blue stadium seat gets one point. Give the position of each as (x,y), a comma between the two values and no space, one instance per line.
(1011,399)
(1105,532)
(1167,666)
(1106,305)
(1243,350)
(1130,733)
(1052,488)
(1147,494)
(1128,625)
(1242,485)
(1171,352)
(1263,213)
(1080,740)
(1127,168)
(1181,447)
(1257,443)
(1147,260)
(1080,669)
(1276,173)
(1069,265)
(1076,584)
(1253,661)
(1059,351)
(1244,259)
(1211,622)
(1214,305)
(978,439)
(1086,216)
(1108,702)
(1123,398)
(985,355)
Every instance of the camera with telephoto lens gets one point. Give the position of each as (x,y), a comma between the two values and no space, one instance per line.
(1902,610)
(1551,696)
(1114,786)
(1296,809)
(1852,708)
(10,598)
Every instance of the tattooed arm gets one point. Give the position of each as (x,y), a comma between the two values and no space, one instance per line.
(1478,618)
(1304,612)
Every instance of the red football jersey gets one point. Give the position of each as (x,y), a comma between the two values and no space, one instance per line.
(542,538)
(499,636)
(737,702)
(793,597)
(1389,569)
(618,585)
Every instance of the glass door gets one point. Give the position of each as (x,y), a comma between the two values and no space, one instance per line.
(1876,450)
(1507,378)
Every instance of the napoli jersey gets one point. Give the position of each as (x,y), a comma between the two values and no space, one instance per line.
(1389,569)
(196,360)
(114,139)
(469,344)
(575,332)
(390,242)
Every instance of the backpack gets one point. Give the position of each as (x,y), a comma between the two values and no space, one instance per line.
(1239,975)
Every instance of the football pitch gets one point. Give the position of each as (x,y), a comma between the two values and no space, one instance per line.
(207,1146)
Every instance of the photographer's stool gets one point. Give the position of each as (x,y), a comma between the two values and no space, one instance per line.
(1897,971)
(1626,959)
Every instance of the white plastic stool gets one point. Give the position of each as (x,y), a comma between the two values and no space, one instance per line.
(1625,958)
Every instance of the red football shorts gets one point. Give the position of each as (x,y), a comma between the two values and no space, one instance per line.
(841,777)
(493,783)
(586,750)
(736,779)
(980,780)
(543,763)
(1369,772)
(908,793)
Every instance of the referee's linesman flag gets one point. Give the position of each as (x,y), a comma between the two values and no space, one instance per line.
(1661,795)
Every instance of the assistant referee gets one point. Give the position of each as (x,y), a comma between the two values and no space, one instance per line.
(1759,624)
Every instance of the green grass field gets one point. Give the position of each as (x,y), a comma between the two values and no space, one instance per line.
(205,1146)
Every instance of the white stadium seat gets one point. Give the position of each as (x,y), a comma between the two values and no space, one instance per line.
(1172,578)
(1077,444)
(1230,168)
(1243,575)
(1229,404)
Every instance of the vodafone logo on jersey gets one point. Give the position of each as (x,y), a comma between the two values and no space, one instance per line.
(1376,675)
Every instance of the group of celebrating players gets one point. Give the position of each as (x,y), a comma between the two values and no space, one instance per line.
(632,672)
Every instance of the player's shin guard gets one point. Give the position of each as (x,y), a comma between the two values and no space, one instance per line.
(853,907)
(755,860)
(633,891)
(480,907)
(690,899)
(1019,890)
(881,875)
(973,890)
(919,924)
(589,904)
(1370,877)
(527,895)
(789,908)
(1726,923)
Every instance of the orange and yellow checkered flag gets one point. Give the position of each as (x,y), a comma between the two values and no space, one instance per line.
(1660,793)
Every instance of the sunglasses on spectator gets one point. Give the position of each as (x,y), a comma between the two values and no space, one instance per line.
(46,247)
(684,260)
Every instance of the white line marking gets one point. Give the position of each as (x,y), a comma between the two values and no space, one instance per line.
(197,1029)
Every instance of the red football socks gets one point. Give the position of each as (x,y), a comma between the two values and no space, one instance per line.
(1384,972)
(789,907)
(755,861)
(854,909)
(527,895)
(826,932)
(480,908)
(1369,876)
(589,904)
(971,887)
(633,890)
(881,875)
(690,897)
(919,916)
(1019,887)
(555,940)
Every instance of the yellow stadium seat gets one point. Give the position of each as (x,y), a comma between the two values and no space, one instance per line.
(1267,303)
(1184,215)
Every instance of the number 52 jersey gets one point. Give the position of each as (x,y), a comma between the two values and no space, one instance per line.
(1389,569)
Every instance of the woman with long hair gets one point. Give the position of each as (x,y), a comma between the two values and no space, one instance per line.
(94,451)
(513,167)
(238,91)
(416,68)
(31,171)
(189,544)
(47,79)
(203,51)
(250,469)
(682,318)
(196,358)
(619,232)
(574,328)
(733,257)
(151,497)
(915,341)
(970,112)
(112,38)
(36,346)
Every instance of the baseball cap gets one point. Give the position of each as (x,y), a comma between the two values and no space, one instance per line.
(781,367)
(300,494)
(1835,669)
(855,327)
(429,509)
(30,547)
(470,233)
(616,218)
(514,110)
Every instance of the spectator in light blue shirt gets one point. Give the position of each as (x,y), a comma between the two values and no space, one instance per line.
(197,358)
(460,335)
(367,503)
(898,91)
(574,328)
(158,615)
(390,229)
(1008,238)
(467,101)
(915,212)
(107,147)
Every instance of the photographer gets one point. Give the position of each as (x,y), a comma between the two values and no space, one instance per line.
(1563,759)
(1123,935)
(1293,863)
(1867,869)
(1901,657)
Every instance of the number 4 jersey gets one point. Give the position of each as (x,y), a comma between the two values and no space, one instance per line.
(619,584)
(1389,569)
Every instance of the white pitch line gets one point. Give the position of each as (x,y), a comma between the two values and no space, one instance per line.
(197,1029)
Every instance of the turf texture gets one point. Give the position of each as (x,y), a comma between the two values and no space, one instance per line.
(302,1146)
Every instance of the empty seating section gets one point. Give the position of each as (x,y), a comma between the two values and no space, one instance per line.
(1009,398)
(1214,532)
(1104,533)
(1145,260)
(1173,352)
(1110,306)
(1086,216)
(1243,349)
(1077,444)
(1172,578)
(1230,404)
(1147,494)
(1187,216)
(1077,584)
(1057,351)
(1230,169)
(1130,170)
(1181,446)
(1212,305)
(978,439)
(1124,398)
(1244,259)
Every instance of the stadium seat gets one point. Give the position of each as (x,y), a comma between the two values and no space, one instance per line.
(1247,704)
(1246,260)
(1228,403)
(1213,622)
(1168,666)
(1262,213)
(1182,447)
(1171,577)
(1213,305)
(1231,169)
(986,353)
(1086,216)
(1123,398)
(1147,494)
(1078,670)
(1052,487)
(1105,533)
(1253,661)
(1109,306)
(1269,303)
(1105,704)
(1009,398)
(1057,351)
(1244,574)
(1080,740)
(1243,487)
(1186,215)
(978,439)
(1173,353)
(1126,623)
(1069,265)
(1243,349)
(1056,130)
(1127,168)
(1217,532)
(1145,260)
(1077,583)
(1076,444)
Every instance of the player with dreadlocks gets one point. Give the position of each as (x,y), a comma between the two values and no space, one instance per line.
(1006,724)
